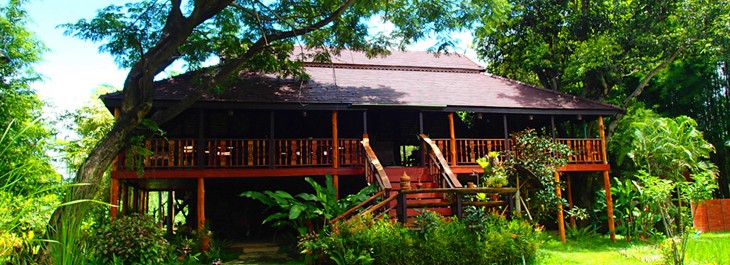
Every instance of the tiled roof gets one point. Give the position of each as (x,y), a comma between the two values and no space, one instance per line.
(403,78)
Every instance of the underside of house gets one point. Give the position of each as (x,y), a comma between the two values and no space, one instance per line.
(365,121)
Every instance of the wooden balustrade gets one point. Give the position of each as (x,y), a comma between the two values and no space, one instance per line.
(236,153)
(223,153)
(585,151)
(169,153)
(469,150)
(242,153)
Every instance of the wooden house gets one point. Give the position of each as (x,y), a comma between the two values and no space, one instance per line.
(362,120)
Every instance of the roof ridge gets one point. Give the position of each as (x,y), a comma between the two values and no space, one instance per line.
(393,67)
(553,91)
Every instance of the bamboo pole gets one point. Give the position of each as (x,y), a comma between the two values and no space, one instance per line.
(607,181)
(561,218)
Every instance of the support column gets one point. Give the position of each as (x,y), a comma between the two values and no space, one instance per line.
(570,201)
(506,133)
(135,199)
(124,202)
(607,181)
(272,137)
(114,198)
(453,139)
(335,152)
(561,218)
(204,240)
(201,204)
(170,212)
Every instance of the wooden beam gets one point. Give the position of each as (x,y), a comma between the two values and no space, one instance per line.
(335,153)
(561,218)
(238,173)
(114,198)
(570,201)
(607,181)
(452,133)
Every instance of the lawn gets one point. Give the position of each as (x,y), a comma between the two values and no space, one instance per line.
(705,249)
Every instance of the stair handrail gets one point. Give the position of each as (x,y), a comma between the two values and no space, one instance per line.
(439,161)
(352,210)
(373,168)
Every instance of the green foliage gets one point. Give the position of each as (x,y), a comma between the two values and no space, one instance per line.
(662,150)
(595,49)
(307,212)
(132,239)
(635,213)
(495,171)
(432,240)
(543,157)
(90,123)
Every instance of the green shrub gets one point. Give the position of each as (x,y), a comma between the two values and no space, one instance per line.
(431,240)
(132,239)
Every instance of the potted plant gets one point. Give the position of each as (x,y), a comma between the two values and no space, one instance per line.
(495,172)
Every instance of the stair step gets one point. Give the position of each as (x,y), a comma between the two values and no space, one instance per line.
(416,173)
(256,248)
(424,185)
(416,212)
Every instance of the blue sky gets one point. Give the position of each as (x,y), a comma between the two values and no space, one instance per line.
(73,68)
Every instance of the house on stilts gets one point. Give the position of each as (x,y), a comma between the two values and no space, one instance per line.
(362,120)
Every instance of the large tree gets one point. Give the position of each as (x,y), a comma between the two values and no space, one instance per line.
(242,35)
(605,50)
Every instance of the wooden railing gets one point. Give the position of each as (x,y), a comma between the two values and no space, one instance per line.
(585,151)
(437,164)
(225,153)
(374,171)
(469,150)
(457,202)
(169,153)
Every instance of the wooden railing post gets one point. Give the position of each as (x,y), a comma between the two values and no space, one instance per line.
(402,208)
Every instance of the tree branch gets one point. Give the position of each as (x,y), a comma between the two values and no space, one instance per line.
(231,66)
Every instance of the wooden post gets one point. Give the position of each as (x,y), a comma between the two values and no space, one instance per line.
(135,199)
(607,181)
(170,212)
(114,198)
(453,139)
(506,133)
(204,240)
(561,218)
(272,131)
(124,202)
(570,201)
(335,152)
(201,204)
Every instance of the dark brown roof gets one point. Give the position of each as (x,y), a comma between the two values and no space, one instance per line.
(416,79)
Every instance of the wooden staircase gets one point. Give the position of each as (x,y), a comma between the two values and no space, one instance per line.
(433,187)
(419,179)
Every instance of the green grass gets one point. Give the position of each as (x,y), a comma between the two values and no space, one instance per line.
(704,249)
